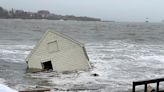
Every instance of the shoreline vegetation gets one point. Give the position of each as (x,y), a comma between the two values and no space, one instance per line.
(40,14)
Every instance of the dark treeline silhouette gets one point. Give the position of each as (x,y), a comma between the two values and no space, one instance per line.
(41,14)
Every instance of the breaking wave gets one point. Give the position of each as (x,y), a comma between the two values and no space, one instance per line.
(118,64)
(14,53)
(2,81)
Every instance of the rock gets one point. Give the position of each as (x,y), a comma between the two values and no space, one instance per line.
(95,74)
(4,88)
(150,88)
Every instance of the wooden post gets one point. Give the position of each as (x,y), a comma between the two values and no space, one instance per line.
(145,87)
(133,90)
(157,89)
(146,83)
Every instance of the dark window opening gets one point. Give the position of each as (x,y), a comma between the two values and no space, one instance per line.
(47,65)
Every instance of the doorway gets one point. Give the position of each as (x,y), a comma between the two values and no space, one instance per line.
(47,65)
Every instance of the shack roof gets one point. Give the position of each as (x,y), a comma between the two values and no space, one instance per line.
(57,33)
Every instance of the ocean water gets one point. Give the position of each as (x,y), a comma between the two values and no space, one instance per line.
(120,53)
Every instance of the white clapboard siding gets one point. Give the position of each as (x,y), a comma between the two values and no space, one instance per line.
(64,53)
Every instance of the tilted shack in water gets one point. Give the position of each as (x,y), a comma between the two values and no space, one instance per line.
(58,52)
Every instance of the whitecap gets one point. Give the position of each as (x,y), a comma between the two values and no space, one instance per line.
(2,81)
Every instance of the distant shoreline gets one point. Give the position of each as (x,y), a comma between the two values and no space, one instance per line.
(41,14)
(47,20)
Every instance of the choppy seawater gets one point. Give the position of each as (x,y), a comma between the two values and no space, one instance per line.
(119,52)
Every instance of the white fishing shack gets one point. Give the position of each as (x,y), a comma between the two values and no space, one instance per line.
(58,52)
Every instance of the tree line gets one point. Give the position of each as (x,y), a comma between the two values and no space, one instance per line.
(41,14)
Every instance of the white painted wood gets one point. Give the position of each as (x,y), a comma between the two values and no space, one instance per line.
(65,53)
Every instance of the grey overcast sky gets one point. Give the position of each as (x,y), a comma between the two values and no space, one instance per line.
(118,10)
